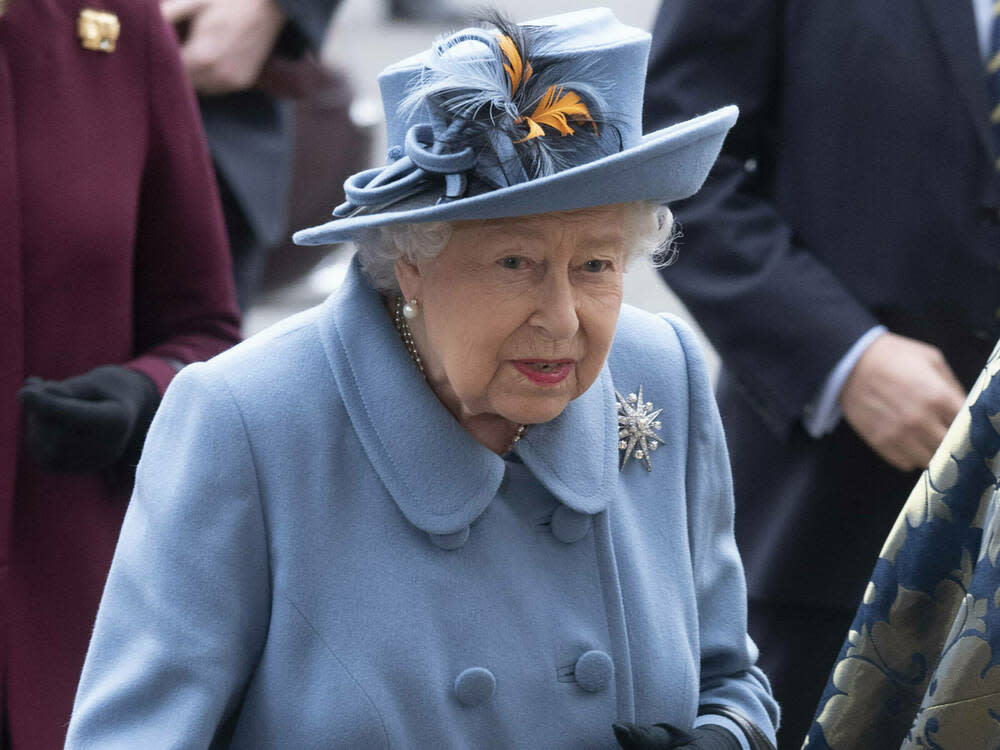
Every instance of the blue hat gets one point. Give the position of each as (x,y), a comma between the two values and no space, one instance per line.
(523,119)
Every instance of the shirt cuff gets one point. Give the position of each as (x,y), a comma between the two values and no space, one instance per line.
(722,721)
(823,413)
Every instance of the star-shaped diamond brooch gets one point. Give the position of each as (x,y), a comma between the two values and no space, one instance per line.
(636,428)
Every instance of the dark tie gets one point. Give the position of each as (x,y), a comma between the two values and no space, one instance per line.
(993,71)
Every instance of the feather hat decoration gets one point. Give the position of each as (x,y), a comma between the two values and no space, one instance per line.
(521,88)
(520,119)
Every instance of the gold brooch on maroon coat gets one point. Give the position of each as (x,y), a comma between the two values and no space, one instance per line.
(98,30)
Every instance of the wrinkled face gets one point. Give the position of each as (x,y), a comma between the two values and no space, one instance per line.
(517,315)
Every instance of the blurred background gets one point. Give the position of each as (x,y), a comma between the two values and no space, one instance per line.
(362,40)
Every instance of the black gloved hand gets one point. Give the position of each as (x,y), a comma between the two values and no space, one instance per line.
(665,737)
(88,422)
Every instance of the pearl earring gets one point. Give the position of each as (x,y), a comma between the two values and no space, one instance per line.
(411,309)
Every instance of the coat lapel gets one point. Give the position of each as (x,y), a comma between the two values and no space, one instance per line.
(576,454)
(439,476)
(955,29)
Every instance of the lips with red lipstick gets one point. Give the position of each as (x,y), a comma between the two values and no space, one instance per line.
(544,371)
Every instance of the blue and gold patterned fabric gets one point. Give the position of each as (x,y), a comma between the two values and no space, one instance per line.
(921,664)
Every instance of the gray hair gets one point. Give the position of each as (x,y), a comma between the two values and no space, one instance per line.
(649,233)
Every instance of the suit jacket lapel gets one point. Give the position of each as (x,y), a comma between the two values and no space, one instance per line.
(955,29)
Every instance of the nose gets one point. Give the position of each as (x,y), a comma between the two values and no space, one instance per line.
(555,307)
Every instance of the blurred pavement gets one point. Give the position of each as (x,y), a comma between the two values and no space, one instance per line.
(361,42)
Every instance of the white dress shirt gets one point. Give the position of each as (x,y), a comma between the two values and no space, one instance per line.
(984,20)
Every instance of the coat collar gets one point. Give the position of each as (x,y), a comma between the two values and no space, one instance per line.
(576,454)
(438,475)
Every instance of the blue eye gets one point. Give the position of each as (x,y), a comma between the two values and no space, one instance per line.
(512,262)
(596,266)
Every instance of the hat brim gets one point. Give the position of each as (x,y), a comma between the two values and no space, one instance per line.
(667,165)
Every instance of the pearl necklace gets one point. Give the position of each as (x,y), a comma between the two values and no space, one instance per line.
(403,328)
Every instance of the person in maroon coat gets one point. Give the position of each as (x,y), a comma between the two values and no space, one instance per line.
(114,273)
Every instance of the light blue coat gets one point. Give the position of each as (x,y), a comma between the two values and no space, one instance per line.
(317,555)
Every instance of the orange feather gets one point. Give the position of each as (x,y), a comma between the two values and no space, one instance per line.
(556,109)
(534,129)
(517,71)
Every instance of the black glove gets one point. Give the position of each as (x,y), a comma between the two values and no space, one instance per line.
(88,422)
(665,737)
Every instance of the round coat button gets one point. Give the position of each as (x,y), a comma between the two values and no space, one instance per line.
(474,686)
(451,541)
(569,526)
(594,671)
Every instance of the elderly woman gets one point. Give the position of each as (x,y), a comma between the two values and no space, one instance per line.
(471,501)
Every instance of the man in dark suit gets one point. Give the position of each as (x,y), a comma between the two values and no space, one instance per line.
(844,259)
